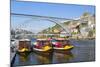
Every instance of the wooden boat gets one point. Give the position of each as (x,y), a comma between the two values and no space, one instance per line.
(42,46)
(62,45)
(24,45)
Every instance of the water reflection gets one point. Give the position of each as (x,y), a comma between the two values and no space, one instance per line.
(23,57)
(43,58)
(32,59)
(59,57)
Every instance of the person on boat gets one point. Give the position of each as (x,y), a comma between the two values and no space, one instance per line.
(47,45)
(37,45)
(58,44)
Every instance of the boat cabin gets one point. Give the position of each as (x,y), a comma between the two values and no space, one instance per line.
(60,42)
(24,45)
(40,43)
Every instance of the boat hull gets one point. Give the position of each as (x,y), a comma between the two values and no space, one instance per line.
(63,50)
(24,51)
(43,52)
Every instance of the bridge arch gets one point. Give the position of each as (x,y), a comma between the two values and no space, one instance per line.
(55,20)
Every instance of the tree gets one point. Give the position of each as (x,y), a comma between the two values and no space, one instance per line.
(86,14)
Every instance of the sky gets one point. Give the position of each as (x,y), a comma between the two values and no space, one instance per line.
(69,11)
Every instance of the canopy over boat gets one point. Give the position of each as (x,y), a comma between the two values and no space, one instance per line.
(41,39)
(60,39)
(24,40)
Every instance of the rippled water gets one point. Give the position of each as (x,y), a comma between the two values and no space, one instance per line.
(84,51)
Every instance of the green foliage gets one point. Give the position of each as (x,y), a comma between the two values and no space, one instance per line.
(73,33)
(86,14)
(67,23)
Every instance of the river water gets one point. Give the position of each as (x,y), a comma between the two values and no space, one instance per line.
(83,51)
